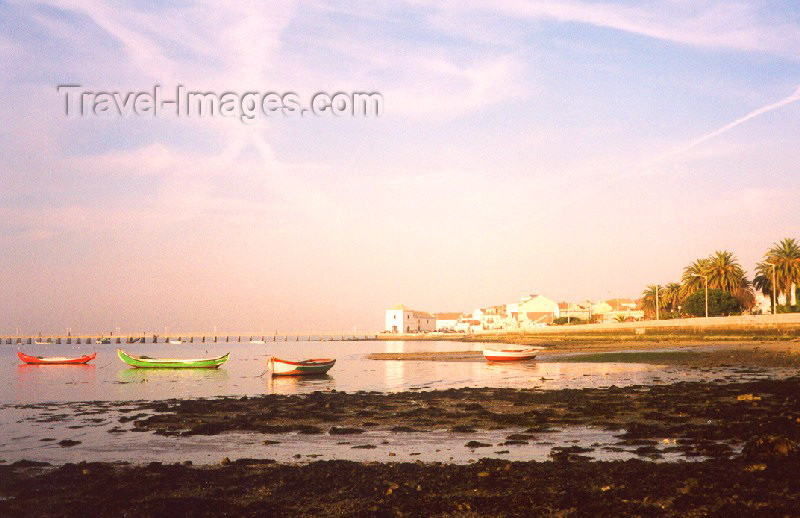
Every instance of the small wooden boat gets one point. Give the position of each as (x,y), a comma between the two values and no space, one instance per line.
(104,341)
(310,367)
(55,360)
(510,355)
(146,362)
(132,340)
(176,342)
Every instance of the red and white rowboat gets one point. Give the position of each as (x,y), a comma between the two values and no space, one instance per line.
(510,355)
(311,367)
(55,360)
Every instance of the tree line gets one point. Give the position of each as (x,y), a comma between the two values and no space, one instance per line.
(729,289)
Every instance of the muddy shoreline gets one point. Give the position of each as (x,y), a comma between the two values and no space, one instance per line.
(746,432)
(341,488)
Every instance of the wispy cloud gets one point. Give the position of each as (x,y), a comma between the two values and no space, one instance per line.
(727,127)
(710,23)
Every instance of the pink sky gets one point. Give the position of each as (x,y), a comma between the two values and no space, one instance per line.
(576,150)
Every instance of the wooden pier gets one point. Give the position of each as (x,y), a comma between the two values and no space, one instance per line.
(184,338)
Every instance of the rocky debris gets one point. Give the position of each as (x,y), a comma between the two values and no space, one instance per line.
(767,448)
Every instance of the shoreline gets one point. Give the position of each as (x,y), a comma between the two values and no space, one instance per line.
(739,441)
(747,433)
(691,353)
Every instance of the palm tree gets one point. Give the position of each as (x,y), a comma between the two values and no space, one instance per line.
(649,300)
(744,295)
(785,255)
(724,272)
(690,282)
(763,279)
(671,295)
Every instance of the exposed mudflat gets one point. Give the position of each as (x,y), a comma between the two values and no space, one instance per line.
(341,488)
(694,412)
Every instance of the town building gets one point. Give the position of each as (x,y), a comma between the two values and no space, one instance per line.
(447,322)
(401,319)
(616,310)
(575,311)
(536,311)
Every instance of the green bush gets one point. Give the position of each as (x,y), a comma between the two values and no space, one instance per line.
(719,303)
(560,321)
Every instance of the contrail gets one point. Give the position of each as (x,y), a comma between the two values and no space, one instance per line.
(764,109)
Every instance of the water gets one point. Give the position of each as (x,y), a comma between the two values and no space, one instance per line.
(42,405)
(108,379)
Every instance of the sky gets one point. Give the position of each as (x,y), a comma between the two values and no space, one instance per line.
(574,149)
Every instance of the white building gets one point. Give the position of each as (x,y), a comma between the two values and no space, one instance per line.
(764,303)
(537,310)
(447,321)
(401,319)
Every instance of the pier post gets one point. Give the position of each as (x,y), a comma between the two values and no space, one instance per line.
(58,340)
(191,339)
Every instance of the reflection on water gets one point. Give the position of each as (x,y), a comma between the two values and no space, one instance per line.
(107,378)
(171,375)
(30,382)
(299,384)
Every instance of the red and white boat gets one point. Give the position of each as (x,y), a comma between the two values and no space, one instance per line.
(55,360)
(316,366)
(510,355)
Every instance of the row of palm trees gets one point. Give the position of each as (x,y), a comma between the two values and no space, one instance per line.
(777,274)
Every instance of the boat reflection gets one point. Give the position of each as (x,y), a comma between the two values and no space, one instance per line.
(299,384)
(179,375)
(519,367)
(46,381)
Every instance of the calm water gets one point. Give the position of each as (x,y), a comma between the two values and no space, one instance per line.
(107,378)
(59,393)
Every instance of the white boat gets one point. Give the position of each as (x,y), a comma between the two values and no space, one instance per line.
(314,366)
(176,342)
(257,342)
(511,355)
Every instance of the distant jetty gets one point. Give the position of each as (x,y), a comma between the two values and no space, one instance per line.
(185,338)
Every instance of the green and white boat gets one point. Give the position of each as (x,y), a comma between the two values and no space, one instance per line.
(146,362)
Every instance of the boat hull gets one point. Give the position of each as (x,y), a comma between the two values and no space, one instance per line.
(38,360)
(144,362)
(509,355)
(312,367)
